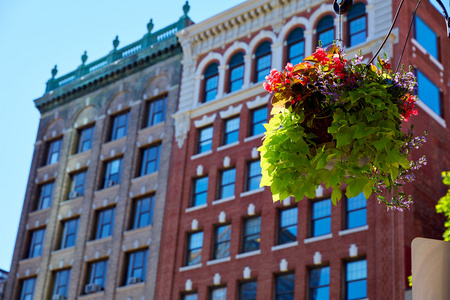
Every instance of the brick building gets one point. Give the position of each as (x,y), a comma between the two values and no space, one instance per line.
(3,279)
(94,206)
(223,236)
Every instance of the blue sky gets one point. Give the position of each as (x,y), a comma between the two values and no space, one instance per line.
(37,34)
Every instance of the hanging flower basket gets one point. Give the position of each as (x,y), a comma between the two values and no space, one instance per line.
(339,123)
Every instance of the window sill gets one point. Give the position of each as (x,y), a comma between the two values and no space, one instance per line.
(152,127)
(247,254)
(187,268)
(92,295)
(40,211)
(68,249)
(99,241)
(111,142)
(79,154)
(194,208)
(29,259)
(227,146)
(107,188)
(135,230)
(146,176)
(201,154)
(424,51)
(318,238)
(356,229)
(283,246)
(215,202)
(130,286)
(251,138)
(73,200)
(218,261)
(434,115)
(248,193)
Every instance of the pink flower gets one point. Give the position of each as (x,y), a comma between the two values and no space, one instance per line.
(289,67)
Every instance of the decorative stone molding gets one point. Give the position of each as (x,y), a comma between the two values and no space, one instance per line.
(231,111)
(247,272)
(205,121)
(353,250)
(283,265)
(194,224)
(251,209)
(199,170)
(258,101)
(317,258)
(182,124)
(188,285)
(226,162)
(216,279)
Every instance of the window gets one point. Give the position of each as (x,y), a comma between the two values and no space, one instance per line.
(236,72)
(321,217)
(253,175)
(119,126)
(252,234)
(77,185)
(258,118)
(356,19)
(27,289)
(194,248)
(105,223)
(284,287)
(211,81)
(247,290)
(296,46)
(112,174)
(222,239)
(231,131)
(287,225)
(429,93)
(356,211)
(227,180)
(85,141)
(204,142)
(143,212)
(96,276)
(200,194)
(325,31)
(426,37)
(53,149)
(189,297)
(69,234)
(61,283)
(137,265)
(156,111)
(45,196)
(263,61)
(150,159)
(356,279)
(36,243)
(218,293)
(319,283)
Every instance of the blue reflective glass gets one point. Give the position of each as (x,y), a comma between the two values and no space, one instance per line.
(227,184)
(426,37)
(356,278)
(319,284)
(285,287)
(357,31)
(296,53)
(247,291)
(357,290)
(205,139)
(428,93)
(263,67)
(200,191)
(259,117)
(326,37)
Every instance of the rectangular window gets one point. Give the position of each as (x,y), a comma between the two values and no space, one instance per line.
(69,234)
(284,287)
(194,248)
(27,289)
(143,212)
(326,37)
(36,243)
(321,217)
(429,93)
(85,141)
(112,173)
(426,37)
(156,111)
(356,211)
(236,78)
(231,131)
(258,118)
(189,297)
(77,185)
(45,196)
(137,265)
(200,193)
(96,276)
(105,223)
(222,239)
(253,175)
(296,52)
(61,284)
(227,182)
(252,234)
(150,159)
(287,231)
(263,65)
(218,293)
(247,290)
(356,279)
(204,142)
(119,126)
(319,283)
(53,149)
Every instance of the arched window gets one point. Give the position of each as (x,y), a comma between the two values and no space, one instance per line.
(296,46)
(357,28)
(263,59)
(211,76)
(325,31)
(236,72)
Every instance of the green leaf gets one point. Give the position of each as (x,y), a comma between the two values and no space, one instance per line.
(336,195)
(343,137)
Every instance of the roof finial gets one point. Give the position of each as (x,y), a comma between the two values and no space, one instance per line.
(186,8)
(84,57)
(116,42)
(54,72)
(150,26)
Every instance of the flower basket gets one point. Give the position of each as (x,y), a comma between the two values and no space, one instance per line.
(339,123)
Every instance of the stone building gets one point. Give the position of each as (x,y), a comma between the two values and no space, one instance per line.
(94,205)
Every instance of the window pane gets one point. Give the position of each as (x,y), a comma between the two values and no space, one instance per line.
(326,37)
(85,141)
(247,291)
(259,117)
(428,93)
(205,139)
(227,183)
(252,229)
(219,294)
(231,134)
(426,37)
(27,290)
(143,212)
(285,287)
(211,88)
(200,191)
(190,297)
(356,277)
(45,197)
(236,78)
(296,53)
(120,123)
(254,175)
(288,226)
(222,242)
(195,244)
(321,217)
(263,67)
(156,111)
